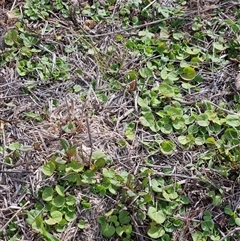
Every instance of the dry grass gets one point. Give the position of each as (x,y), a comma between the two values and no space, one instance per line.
(22,178)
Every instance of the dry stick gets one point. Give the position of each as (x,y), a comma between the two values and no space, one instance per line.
(138,233)
(225,110)
(230,233)
(20,172)
(13,6)
(10,220)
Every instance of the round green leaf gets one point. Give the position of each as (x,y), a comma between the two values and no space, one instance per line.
(58,201)
(237,221)
(166,90)
(124,217)
(219,46)
(47,194)
(57,216)
(199,141)
(70,216)
(98,155)
(167,147)
(233,120)
(203,120)
(192,50)
(119,231)
(70,200)
(50,221)
(11,37)
(157,216)
(81,224)
(155,232)
(107,230)
(207,225)
(60,190)
(188,73)
(231,134)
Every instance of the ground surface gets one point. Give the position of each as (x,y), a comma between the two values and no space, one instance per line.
(119,120)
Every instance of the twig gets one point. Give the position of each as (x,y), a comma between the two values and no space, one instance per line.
(230,233)
(21,172)
(10,220)
(127,113)
(138,233)
(225,110)
(149,5)
(13,5)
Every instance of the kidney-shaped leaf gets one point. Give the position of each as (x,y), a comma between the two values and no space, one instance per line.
(157,216)
(188,73)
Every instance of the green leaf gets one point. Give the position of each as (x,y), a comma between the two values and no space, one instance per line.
(146,34)
(33,116)
(31,216)
(11,37)
(74,166)
(203,120)
(47,194)
(231,134)
(199,141)
(70,216)
(98,155)
(72,151)
(58,201)
(192,50)
(65,145)
(166,90)
(167,147)
(198,236)
(14,146)
(88,177)
(60,190)
(185,200)
(207,225)
(119,231)
(173,112)
(188,73)
(107,230)
(143,103)
(148,120)
(228,210)
(70,200)
(77,88)
(50,221)
(127,229)
(157,184)
(114,219)
(124,217)
(155,232)
(57,216)
(217,200)
(233,120)
(99,164)
(81,224)
(129,131)
(219,46)
(237,221)
(157,216)
(28,41)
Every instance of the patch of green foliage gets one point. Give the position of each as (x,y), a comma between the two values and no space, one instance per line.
(172,59)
